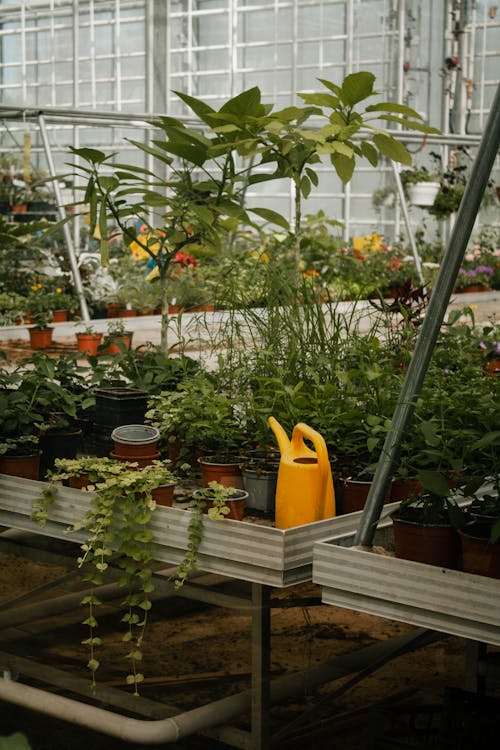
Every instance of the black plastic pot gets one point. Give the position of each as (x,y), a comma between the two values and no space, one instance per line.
(58,445)
(118,406)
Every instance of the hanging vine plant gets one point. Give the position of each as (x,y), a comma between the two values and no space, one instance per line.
(117,526)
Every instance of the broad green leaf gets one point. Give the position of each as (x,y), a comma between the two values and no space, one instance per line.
(246,103)
(193,154)
(199,107)
(410,124)
(271,216)
(356,87)
(312,176)
(331,86)
(433,481)
(336,147)
(429,431)
(369,152)
(90,154)
(389,146)
(203,213)
(108,183)
(321,100)
(343,165)
(394,107)
(305,186)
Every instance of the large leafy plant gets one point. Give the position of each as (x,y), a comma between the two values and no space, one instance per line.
(205,170)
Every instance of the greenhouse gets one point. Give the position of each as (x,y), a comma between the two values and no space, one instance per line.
(249,374)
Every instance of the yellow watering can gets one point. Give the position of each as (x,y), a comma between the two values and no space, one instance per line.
(304,492)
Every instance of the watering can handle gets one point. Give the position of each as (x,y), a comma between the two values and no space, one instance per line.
(301,431)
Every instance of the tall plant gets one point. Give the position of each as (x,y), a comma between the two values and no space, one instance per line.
(243,143)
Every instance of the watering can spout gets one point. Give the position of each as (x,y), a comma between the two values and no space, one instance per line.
(280,434)
(304,491)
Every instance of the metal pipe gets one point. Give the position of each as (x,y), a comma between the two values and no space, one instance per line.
(196,720)
(65,228)
(406,216)
(431,325)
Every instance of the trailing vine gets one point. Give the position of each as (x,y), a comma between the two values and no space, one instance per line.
(116,522)
(214,496)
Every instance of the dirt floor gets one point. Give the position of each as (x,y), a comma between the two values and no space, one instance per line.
(195,654)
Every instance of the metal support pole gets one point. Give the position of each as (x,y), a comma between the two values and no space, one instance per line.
(62,216)
(406,216)
(261,631)
(431,325)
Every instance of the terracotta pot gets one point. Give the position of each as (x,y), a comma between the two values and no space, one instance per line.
(60,316)
(225,470)
(403,488)
(174,309)
(433,545)
(79,482)
(21,466)
(88,343)
(164,494)
(479,555)
(236,505)
(114,348)
(113,310)
(493,366)
(124,313)
(472,288)
(41,338)
(135,440)
(354,495)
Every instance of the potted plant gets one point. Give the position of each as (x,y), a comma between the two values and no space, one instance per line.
(480,536)
(137,442)
(117,530)
(56,403)
(420,185)
(20,455)
(117,338)
(426,526)
(220,498)
(215,502)
(88,340)
(260,477)
(201,419)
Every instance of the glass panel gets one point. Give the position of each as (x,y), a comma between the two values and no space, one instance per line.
(372,13)
(209,31)
(211,58)
(104,39)
(214,84)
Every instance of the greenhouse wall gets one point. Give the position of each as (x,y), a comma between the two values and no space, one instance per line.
(130,56)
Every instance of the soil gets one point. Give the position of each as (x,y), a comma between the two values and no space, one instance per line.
(185,670)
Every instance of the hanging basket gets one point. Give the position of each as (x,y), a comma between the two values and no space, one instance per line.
(423,193)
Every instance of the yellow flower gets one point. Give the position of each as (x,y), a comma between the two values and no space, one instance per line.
(367,242)
(58,290)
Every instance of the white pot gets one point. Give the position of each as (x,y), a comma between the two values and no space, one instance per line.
(423,193)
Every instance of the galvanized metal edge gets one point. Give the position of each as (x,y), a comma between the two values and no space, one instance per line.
(247,551)
(446,600)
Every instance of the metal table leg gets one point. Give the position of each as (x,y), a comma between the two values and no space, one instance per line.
(261,634)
